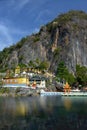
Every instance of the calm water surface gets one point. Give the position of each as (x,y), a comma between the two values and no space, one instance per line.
(43,113)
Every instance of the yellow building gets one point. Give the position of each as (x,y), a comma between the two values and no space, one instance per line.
(15,81)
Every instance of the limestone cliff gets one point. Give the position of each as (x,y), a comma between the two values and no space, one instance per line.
(65,38)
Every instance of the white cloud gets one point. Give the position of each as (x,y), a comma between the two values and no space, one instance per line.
(17,31)
(36,30)
(4,34)
(42,15)
(10,35)
(19,4)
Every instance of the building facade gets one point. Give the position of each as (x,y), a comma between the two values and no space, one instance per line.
(15,82)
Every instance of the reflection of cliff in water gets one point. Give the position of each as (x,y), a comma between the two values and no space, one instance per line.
(43,113)
(22,106)
(24,112)
(67,103)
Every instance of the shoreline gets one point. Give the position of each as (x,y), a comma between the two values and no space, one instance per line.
(18,92)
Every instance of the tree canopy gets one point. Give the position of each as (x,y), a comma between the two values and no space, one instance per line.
(64,74)
(81,74)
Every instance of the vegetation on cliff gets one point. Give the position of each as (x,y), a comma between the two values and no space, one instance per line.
(63,19)
(63,39)
(79,78)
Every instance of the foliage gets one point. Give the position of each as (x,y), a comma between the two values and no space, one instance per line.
(37,61)
(79,14)
(31,64)
(37,64)
(7,51)
(13,64)
(21,57)
(63,73)
(61,70)
(3,70)
(17,90)
(44,65)
(4,54)
(70,78)
(11,48)
(49,27)
(36,38)
(75,26)
(81,74)
(22,65)
(4,90)
(65,18)
(11,73)
(20,44)
(57,51)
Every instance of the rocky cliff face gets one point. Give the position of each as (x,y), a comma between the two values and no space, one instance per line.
(64,39)
(72,39)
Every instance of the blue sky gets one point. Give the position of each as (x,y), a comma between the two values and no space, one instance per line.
(20,18)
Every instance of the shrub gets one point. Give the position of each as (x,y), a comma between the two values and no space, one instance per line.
(36,38)
(57,51)
(18,89)
(4,90)
(44,65)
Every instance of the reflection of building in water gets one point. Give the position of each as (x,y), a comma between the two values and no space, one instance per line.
(16,108)
(21,109)
(67,103)
(42,101)
(46,104)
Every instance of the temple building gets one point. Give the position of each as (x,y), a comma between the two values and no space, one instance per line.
(23,79)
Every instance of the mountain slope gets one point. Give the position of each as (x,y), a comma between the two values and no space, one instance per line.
(63,39)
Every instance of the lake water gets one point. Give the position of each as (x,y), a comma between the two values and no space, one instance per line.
(43,113)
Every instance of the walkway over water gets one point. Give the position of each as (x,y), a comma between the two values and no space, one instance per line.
(64,93)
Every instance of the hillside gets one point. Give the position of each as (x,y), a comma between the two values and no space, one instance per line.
(63,39)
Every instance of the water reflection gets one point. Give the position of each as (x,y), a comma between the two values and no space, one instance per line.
(75,103)
(23,106)
(67,103)
(43,113)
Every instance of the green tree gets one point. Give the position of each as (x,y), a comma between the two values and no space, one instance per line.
(81,74)
(22,65)
(36,38)
(37,61)
(44,65)
(20,43)
(31,64)
(64,74)
(61,70)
